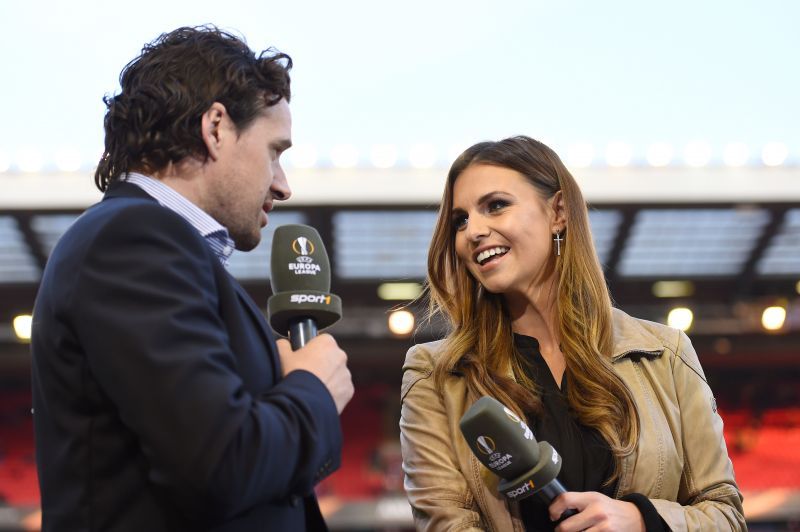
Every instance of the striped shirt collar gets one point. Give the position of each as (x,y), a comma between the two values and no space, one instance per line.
(212,231)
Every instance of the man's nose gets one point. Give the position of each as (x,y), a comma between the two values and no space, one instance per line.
(280,185)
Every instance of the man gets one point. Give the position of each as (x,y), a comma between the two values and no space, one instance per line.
(162,401)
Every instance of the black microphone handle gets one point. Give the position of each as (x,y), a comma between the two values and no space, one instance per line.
(301,331)
(550,491)
(569,512)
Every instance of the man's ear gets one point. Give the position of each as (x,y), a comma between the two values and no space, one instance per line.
(212,128)
(559,212)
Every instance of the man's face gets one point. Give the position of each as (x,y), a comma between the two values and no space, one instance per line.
(250,176)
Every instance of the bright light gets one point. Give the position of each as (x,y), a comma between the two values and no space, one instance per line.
(736,154)
(344,156)
(5,162)
(797,287)
(580,155)
(399,291)
(774,153)
(422,156)
(697,154)
(383,155)
(401,322)
(773,318)
(673,288)
(29,160)
(618,154)
(68,160)
(303,156)
(680,318)
(659,154)
(22,326)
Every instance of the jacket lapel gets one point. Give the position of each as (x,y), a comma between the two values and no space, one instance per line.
(261,324)
(121,189)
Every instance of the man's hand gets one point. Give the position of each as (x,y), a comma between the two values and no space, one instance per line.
(596,512)
(322,357)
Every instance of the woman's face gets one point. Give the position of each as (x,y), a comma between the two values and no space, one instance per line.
(503,229)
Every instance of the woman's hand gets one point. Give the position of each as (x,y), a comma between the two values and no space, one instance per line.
(596,513)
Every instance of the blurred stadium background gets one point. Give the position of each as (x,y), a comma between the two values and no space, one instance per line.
(680,123)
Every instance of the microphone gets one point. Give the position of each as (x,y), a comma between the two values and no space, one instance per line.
(301,303)
(506,446)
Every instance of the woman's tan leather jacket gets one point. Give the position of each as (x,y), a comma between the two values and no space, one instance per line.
(681,462)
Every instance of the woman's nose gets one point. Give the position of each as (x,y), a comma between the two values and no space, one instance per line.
(477,228)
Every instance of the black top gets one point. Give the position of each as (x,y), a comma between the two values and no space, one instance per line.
(587,460)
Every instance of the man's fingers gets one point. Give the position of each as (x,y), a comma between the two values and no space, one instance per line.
(284,346)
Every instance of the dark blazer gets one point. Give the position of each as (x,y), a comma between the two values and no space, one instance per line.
(157,389)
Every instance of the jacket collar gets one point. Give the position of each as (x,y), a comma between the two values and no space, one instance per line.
(121,189)
(630,336)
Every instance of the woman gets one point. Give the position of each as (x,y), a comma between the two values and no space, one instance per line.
(513,269)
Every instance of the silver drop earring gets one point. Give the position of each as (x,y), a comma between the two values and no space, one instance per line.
(558,240)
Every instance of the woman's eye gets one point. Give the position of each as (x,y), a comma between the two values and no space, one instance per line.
(496,205)
(460,221)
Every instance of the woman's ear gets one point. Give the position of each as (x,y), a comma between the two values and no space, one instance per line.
(559,212)
(211,127)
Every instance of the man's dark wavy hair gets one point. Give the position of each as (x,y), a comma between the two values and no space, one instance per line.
(156,118)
